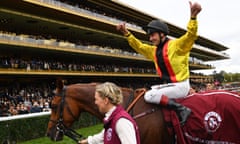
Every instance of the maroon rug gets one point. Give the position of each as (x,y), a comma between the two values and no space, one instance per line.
(215,119)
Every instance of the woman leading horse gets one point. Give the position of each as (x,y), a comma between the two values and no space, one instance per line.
(119,126)
(70,101)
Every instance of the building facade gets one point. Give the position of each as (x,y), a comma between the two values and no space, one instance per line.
(41,40)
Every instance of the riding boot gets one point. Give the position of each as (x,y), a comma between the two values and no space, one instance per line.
(182,111)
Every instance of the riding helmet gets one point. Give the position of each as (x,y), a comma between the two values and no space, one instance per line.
(156,26)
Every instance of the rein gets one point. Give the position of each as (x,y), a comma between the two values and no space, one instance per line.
(60,126)
(135,100)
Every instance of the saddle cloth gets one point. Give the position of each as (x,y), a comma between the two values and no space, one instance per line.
(214,119)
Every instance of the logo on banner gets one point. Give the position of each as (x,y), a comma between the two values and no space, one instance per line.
(212,121)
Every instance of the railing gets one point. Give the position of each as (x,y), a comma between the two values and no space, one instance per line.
(23,116)
(94,48)
(7,136)
(54,43)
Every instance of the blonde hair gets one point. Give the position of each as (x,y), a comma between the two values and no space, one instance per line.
(111,91)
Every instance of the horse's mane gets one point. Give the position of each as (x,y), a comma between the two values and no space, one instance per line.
(126,89)
(60,85)
(86,84)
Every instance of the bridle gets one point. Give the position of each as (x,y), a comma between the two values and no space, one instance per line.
(60,126)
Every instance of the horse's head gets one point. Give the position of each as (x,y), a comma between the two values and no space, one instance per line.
(62,116)
(56,118)
(66,105)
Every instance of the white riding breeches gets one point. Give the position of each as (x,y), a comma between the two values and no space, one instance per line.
(171,90)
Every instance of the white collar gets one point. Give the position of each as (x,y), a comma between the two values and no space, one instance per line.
(108,114)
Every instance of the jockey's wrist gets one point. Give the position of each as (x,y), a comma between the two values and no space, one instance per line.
(193,18)
(127,34)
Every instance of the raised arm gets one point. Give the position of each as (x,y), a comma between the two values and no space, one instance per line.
(195,9)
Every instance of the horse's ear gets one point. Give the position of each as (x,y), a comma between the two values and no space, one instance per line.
(59,83)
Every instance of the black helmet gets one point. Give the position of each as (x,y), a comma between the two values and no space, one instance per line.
(156,26)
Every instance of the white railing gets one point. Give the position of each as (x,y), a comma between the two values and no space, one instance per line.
(24,116)
(53,42)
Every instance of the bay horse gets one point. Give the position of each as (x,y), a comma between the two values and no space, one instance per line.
(79,98)
(156,125)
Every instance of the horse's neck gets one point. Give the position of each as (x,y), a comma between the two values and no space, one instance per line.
(131,97)
(128,94)
(84,95)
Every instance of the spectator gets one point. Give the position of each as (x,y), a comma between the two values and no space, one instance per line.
(46,107)
(193,89)
(209,86)
(35,108)
(22,109)
(12,111)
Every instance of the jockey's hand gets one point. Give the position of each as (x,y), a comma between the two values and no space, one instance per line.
(195,9)
(83,141)
(122,28)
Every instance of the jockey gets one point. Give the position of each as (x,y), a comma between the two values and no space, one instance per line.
(171,59)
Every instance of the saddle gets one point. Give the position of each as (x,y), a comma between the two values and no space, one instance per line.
(214,118)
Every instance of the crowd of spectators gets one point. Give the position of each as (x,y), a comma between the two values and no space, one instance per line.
(202,87)
(34,98)
(83,45)
(30,99)
(41,64)
(48,40)
(38,64)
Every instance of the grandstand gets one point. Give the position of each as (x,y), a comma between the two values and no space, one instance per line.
(77,40)
(41,40)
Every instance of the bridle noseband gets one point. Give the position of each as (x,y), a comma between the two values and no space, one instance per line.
(60,126)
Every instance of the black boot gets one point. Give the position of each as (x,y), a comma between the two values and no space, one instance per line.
(182,111)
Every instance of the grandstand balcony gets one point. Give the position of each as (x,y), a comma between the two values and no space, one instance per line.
(86,31)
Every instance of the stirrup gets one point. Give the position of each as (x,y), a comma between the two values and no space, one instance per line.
(183,115)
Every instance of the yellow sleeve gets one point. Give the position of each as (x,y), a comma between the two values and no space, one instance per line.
(185,42)
(145,49)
